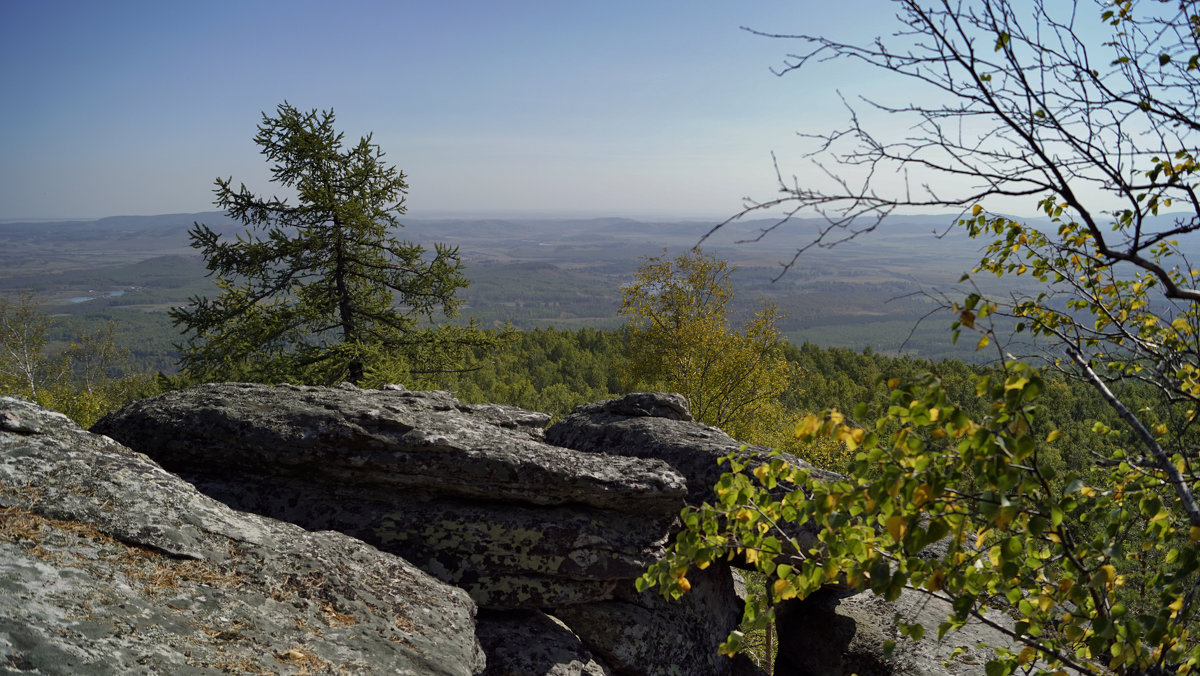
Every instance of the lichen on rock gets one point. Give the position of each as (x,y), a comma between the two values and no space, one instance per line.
(111,565)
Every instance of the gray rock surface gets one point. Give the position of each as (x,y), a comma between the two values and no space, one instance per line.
(658,426)
(467,493)
(831,635)
(531,643)
(111,565)
(644,633)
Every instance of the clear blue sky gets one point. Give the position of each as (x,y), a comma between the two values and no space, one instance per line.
(622,107)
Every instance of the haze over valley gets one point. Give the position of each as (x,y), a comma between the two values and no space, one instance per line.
(533,273)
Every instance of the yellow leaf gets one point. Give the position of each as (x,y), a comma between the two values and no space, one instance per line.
(850,436)
(1003,518)
(684,584)
(896,527)
(893,383)
(808,426)
(922,495)
(780,588)
(744,515)
(994,555)
(751,556)
(1109,573)
(977,209)
(1175,607)
(1026,656)
(760,473)
(936,581)
(1045,603)
(983,342)
(1053,436)
(1194,533)
(1015,383)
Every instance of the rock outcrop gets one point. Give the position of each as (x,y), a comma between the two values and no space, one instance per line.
(419,509)
(466,493)
(524,642)
(643,633)
(658,426)
(471,495)
(830,634)
(111,565)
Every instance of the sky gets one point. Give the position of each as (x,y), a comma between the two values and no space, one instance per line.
(524,107)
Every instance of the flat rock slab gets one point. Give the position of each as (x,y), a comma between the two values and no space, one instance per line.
(111,565)
(426,442)
(506,555)
(468,493)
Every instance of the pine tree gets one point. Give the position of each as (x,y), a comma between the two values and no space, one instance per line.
(320,291)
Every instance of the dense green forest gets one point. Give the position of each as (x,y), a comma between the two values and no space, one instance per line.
(553,370)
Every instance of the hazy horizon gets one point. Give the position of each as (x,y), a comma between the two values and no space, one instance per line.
(423,215)
(622,108)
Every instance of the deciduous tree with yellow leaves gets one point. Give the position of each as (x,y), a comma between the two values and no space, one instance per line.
(1091,110)
(682,341)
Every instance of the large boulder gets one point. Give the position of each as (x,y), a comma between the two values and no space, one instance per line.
(467,493)
(532,643)
(644,633)
(111,565)
(658,426)
(832,634)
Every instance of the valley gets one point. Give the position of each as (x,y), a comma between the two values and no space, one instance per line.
(873,291)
